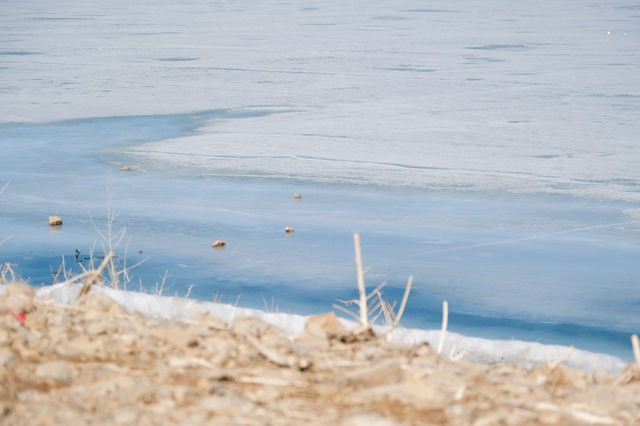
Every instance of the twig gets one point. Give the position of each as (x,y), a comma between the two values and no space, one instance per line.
(445,320)
(556,362)
(272,356)
(94,276)
(364,317)
(346,311)
(186,296)
(407,290)
(636,348)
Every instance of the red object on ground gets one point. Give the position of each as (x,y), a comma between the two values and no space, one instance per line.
(20,317)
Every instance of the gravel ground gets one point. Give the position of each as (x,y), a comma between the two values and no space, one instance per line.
(93,363)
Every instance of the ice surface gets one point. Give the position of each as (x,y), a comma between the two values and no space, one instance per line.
(486,95)
(481,350)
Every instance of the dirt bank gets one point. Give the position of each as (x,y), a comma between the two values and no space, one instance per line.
(95,364)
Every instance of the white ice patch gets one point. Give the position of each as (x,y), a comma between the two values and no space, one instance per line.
(378,92)
(526,354)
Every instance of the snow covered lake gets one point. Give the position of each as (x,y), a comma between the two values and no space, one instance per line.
(488,149)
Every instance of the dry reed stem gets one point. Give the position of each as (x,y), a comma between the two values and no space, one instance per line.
(636,349)
(6,269)
(4,187)
(407,290)
(364,316)
(556,362)
(272,356)
(445,320)
(94,276)
(186,296)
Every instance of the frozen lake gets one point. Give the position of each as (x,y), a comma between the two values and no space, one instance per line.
(478,147)
(505,262)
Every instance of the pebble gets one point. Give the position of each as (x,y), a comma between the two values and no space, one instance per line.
(18,298)
(219,243)
(384,374)
(100,302)
(324,325)
(55,221)
(56,372)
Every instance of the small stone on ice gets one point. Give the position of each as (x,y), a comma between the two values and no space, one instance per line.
(219,243)
(297,195)
(55,221)
(126,169)
(289,230)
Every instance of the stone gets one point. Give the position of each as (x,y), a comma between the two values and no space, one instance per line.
(97,301)
(126,169)
(56,372)
(55,221)
(367,419)
(6,358)
(387,373)
(18,305)
(297,196)
(308,344)
(20,288)
(218,243)
(255,327)
(210,320)
(289,230)
(19,298)
(324,325)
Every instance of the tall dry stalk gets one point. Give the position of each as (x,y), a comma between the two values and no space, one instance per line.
(445,321)
(372,306)
(364,316)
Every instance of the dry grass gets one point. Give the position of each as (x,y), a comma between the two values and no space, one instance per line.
(6,271)
(372,306)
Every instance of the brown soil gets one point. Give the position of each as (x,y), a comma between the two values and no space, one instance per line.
(95,364)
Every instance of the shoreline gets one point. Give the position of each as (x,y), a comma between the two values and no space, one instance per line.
(526,354)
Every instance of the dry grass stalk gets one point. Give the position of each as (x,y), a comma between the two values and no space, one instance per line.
(94,276)
(269,354)
(186,296)
(556,362)
(4,187)
(636,349)
(407,290)
(274,308)
(4,271)
(445,321)
(364,317)
(158,289)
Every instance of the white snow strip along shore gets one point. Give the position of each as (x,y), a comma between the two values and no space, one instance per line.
(487,351)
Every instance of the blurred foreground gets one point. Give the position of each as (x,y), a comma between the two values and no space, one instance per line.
(93,363)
